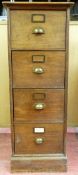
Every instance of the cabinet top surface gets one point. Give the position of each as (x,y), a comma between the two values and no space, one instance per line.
(32,4)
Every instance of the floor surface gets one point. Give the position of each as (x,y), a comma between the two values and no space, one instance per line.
(72,153)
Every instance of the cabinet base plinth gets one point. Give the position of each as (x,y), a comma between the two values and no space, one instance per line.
(38,164)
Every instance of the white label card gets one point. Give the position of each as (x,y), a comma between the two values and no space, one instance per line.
(39,130)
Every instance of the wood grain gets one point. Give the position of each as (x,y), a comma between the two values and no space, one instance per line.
(54,27)
(38,5)
(25,139)
(39,164)
(54,69)
(28,88)
(24,105)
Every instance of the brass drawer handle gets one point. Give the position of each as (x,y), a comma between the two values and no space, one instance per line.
(39,106)
(38,31)
(38,70)
(39,140)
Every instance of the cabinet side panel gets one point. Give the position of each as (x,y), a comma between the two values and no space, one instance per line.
(10,81)
(66,75)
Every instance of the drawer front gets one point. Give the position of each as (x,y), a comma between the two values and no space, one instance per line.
(38,69)
(38,29)
(39,105)
(28,140)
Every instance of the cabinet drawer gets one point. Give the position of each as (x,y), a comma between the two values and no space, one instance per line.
(38,105)
(38,69)
(29,142)
(25,28)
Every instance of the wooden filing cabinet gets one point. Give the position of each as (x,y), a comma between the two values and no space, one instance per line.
(38,63)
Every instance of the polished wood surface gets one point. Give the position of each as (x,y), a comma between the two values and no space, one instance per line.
(38,5)
(39,164)
(25,139)
(25,99)
(53,66)
(22,36)
(72,142)
(22,33)
(38,84)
